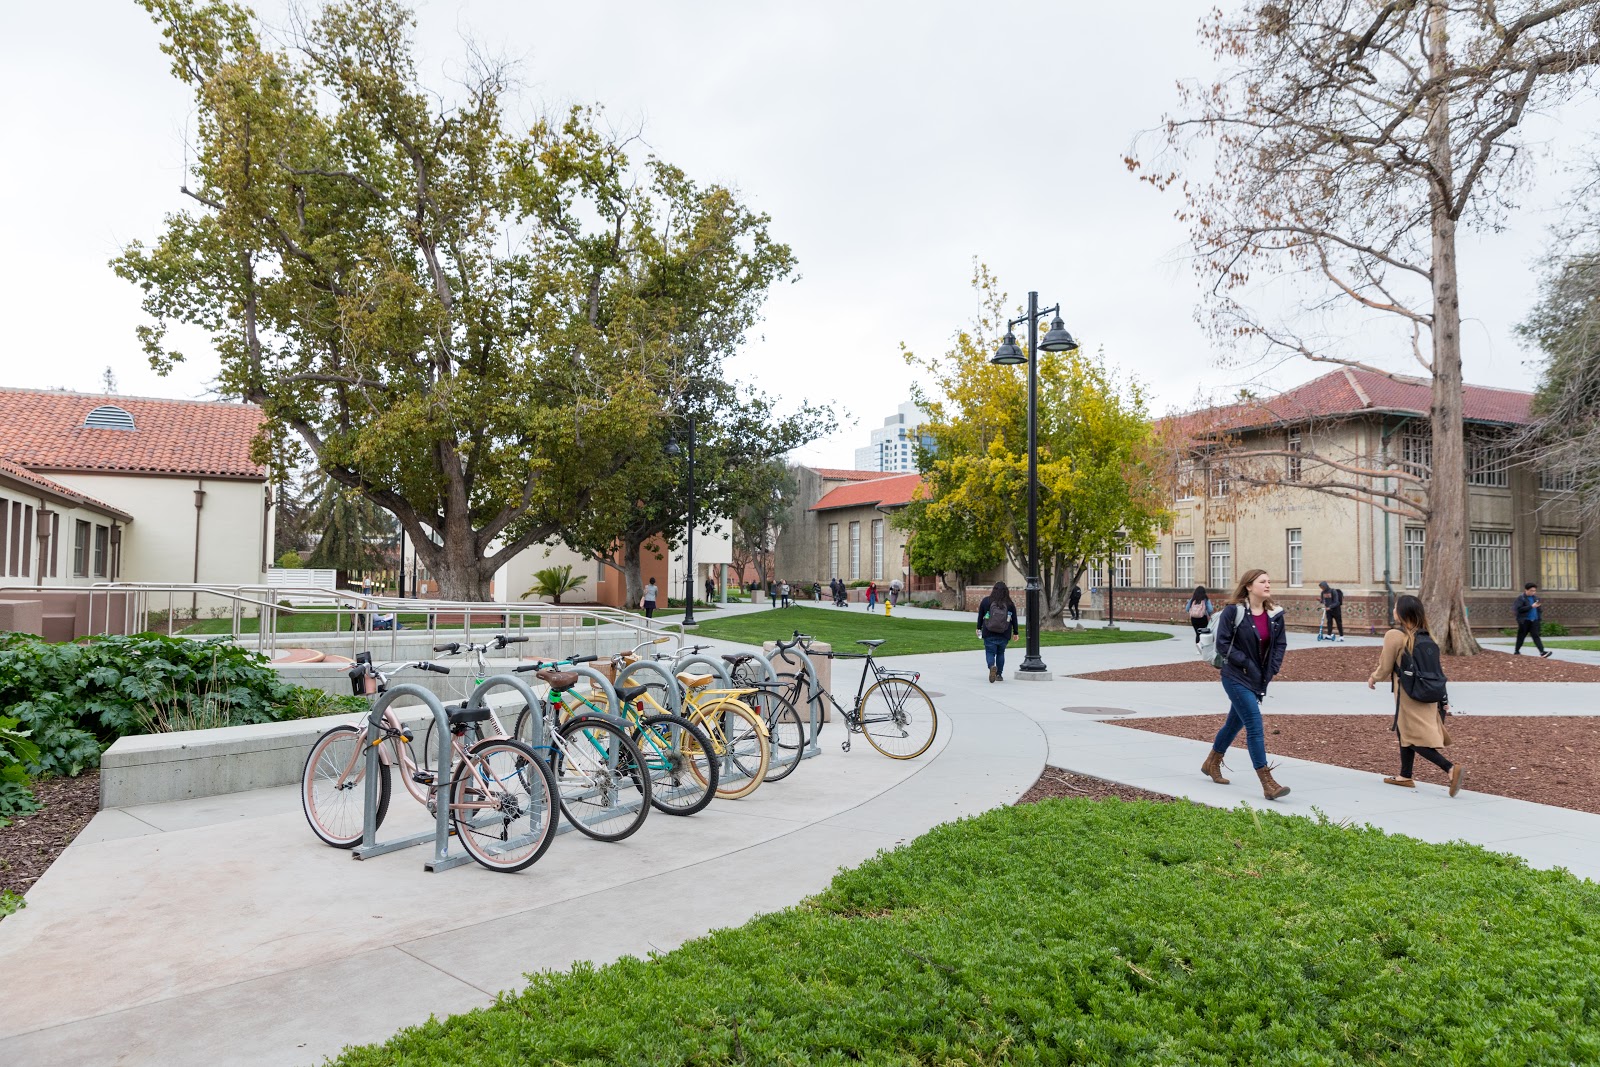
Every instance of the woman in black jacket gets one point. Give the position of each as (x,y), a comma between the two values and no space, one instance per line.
(997,625)
(1251,636)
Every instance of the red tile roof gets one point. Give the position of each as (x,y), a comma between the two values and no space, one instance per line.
(842,474)
(892,490)
(44,431)
(39,481)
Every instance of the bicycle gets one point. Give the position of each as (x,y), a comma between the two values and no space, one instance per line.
(779,708)
(892,713)
(497,785)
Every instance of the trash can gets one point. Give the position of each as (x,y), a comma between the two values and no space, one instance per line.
(822,665)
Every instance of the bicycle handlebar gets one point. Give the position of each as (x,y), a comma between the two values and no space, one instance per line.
(436,668)
(501,640)
(453,647)
(571,661)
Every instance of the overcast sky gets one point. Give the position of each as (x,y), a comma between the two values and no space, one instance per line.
(890,142)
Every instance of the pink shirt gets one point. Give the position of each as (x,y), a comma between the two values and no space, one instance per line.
(1263,627)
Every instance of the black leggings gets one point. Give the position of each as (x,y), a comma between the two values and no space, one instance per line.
(1529,628)
(1336,618)
(1408,754)
(1199,624)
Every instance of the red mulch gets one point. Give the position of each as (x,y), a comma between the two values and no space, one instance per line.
(1343,663)
(1543,758)
(32,842)
(1055,782)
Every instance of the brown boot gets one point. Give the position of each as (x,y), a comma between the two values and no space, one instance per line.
(1212,767)
(1269,788)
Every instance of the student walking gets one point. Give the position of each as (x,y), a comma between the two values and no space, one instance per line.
(1333,609)
(1410,656)
(649,601)
(1072,602)
(1527,607)
(711,589)
(872,596)
(1251,635)
(894,593)
(1199,610)
(997,625)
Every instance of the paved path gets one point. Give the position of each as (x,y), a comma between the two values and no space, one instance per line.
(219,932)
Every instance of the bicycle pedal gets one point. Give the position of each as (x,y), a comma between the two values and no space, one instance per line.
(423,777)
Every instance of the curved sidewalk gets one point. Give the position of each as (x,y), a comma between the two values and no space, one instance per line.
(219,931)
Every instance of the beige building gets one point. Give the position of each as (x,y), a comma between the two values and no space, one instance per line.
(1341,431)
(842,528)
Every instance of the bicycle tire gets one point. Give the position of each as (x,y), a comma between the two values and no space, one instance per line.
(786,732)
(674,787)
(336,813)
(893,714)
(601,778)
(743,748)
(530,795)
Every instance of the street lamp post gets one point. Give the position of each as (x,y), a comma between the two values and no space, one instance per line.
(688,582)
(1056,339)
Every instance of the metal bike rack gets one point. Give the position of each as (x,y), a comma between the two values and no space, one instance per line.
(718,667)
(605,685)
(674,690)
(814,701)
(479,696)
(370,846)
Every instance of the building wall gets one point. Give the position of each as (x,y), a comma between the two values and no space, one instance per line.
(20,548)
(713,548)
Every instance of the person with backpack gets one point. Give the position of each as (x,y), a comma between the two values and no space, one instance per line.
(997,625)
(872,596)
(895,587)
(1527,609)
(1333,609)
(1072,601)
(1199,610)
(1411,663)
(1249,640)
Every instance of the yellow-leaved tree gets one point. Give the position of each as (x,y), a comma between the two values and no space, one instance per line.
(1101,481)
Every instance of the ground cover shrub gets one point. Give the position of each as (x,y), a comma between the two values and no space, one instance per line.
(1548,629)
(1096,933)
(842,627)
(16,752)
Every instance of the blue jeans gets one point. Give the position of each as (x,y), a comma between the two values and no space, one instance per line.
(1244,713)
(994,650)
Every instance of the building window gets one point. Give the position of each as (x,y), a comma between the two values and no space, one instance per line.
(1219,478)
(80,550)
(1094,574)
(1183,572)
(1416,451)
(1293,471)
(102,545)
(24,543)
(5,536)
(1186,479)
(1558,562)
(855,551)
(1488,463)
(1412,542)
(1491,559)
(877,548)
(1152,568)
(1221,574)
(833,550)
(1122,577)
(1558,481)
(1296,569)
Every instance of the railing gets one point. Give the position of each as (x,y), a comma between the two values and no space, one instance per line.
(270,605)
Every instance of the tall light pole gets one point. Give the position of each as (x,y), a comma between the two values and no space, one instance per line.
(1056,339)
(688,582)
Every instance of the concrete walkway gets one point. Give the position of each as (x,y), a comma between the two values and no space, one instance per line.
(220,932)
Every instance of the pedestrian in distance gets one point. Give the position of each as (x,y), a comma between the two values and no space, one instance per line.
(648,602)
(1411,664)
(841,595)
(783,593)
(1072,602)
(997,625)
(711,589)
(1198,609)
(816,592)
(1333,609)
(1527,608)
(895,587)
(1251,637)
(872,596)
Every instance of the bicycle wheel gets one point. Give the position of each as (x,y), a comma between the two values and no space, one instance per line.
(503,804)
(898,718)
(739,743)
(601,777)
(669,744)
(786,732)
(334,808)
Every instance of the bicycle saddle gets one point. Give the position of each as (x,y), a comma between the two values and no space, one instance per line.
(737,658)
(558,681)
(695,681)
(460,714)
(630,692)
(873,644)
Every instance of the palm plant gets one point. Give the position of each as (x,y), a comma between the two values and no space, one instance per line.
(553,582)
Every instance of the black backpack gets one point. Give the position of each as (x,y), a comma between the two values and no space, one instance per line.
(1422,671)
(997,624)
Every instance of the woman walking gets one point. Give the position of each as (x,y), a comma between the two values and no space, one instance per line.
(1420,726)
(997,625)
(648,601)
(872,596)
(1199,610)
(1251,636)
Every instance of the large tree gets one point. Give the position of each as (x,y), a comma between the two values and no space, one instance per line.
(1350,141)
(948,541)
(1101,478)
(458,319)
(767,495)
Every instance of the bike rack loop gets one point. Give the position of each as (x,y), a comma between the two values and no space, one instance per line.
(606,687)
(674,696)
(718,667)
(814,702)
(369,847)
(479,696)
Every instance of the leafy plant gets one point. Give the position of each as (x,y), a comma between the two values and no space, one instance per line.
(16,752)
(291,560)
(555,582)
(10,903)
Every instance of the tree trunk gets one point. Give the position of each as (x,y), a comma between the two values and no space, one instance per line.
(633,573)
(1444,569)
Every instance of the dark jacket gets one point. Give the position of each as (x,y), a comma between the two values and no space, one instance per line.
(1333,599)
(1076,595)
(1245,662)
(983,613)
(1525,607)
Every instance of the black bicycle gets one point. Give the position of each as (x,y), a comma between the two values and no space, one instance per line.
(894,713)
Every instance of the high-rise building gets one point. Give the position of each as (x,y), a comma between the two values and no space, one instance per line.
(894,444)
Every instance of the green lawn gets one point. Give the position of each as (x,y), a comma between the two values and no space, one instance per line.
(903,636)
(1094,933)
(323,623)
(1591,644)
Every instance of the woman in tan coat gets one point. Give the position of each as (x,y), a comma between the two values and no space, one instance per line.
(1420,726)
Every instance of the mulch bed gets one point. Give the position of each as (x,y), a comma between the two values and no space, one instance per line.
(1346,664)
(1542,758)
(32,842)
(1055,782)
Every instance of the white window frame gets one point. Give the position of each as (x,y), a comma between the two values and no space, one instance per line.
(1122,564)
(855,551)
(1152,568)
(1292,461)
(1558,481)
(1558,562)
(1186,475)
(833,550)
(1490,559)
(1224,579)
(1295,546)
(1183,564)
(877,549)
(1413,552)
(1488,463)
(1416,451)
(1217,480)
